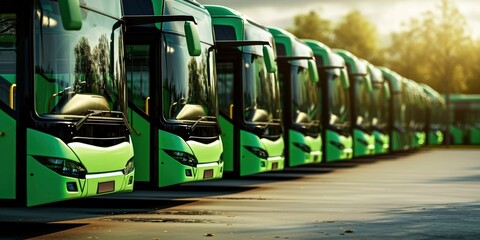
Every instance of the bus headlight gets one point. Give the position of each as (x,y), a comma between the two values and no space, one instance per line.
(257,151)
(182,157)
(129,167)
(64,167)
(303,146)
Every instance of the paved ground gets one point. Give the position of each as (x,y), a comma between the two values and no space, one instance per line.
(429,194)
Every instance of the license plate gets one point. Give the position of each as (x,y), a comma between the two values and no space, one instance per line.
(104,187)
(208,174)
(275,165)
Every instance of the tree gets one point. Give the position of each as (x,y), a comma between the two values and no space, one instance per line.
(435,50)
(312,26)
(357,35)
(407,51)
(448,32)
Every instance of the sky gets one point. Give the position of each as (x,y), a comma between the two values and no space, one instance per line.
(386,15)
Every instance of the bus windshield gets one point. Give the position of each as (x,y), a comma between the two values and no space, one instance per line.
(188,83)
(338,97)
(77,72)
(305,97)
(362,102)
(261,92)
(381,105)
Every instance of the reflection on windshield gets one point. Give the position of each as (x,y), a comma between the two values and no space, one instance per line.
(337,96)
(188,83)
(305,98)
(381,104)
(362,102)
(77,72)
(260,92)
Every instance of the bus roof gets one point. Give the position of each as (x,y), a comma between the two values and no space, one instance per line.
(354,65)
(324,55)
(288,44)
(393,78)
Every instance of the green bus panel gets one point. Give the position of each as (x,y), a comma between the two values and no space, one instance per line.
(363,143)
(99,162)
(397,141)
(8,158)
(171,171)
(475,135)
(228,144)
(338,146)
(249,162)
(419,139)
(298,156)
(457,135)
(141,138)
(435,137)
(381,142)
(275,149)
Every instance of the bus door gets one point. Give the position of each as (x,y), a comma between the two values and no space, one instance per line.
(140,109)
(8,59)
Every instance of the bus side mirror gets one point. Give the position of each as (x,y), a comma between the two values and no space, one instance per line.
(386,90)
(369,83)
(344,77)
(269,59)
(71,15)
(193,40)
(312,71)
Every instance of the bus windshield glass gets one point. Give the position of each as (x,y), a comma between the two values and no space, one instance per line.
(338,97)
(77,72)
(362,102)
(188,83)
(381,109)
(305,97)
(260,93)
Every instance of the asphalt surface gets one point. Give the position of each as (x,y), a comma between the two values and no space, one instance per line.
(428,194)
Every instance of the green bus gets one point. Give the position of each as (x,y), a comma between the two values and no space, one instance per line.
(172,90)
(334,102)
(417,109)
(63,130)
(381,111)
(464,119)
(397,126)
(434,115)
(249,94)
(361,104)
(298,76)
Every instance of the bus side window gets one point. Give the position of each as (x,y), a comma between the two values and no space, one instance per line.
(225,80)
(138,75)
(8,56)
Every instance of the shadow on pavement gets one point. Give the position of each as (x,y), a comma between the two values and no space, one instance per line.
(24,230)
(429,222)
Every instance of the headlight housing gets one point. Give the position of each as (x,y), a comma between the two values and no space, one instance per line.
(259,152)
(303,146)
(182,157)
(64,167)
(129,167)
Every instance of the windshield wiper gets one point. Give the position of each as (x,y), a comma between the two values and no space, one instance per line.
(273,120)
(80,122)
(201,118)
